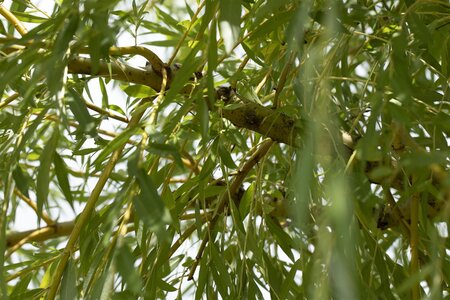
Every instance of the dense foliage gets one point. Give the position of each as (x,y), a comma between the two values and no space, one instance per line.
(283,149)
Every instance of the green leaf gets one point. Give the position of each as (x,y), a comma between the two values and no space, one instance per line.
(63,177)
(203,117)
(43,172)
(30,294)
(166,150)
(207,169)
(280,19)
(166,286)
(78,107)
(283,239)
(423,160)
(138,91)
(116,108)
(273,275)
(105,102)
(21,286)
(168,19)
(115,144)
(237,219)
(202,279)
(247,198)
(212,63)
(55,65)
(148,204)
(125,267)
(229,22)
(69,282)
(226,158)
(29,18)
(190,65)
(21,180)
(223,281)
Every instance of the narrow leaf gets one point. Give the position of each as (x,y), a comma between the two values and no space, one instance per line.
(117,142)
(78,107)
(149,205)
(229,22)
(63,177)
(43,173)
(226,158)
(125,260)
(69,282)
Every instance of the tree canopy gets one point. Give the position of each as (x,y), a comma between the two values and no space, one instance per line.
(233,149)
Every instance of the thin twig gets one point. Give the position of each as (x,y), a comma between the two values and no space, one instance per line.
(33,205)
(187,233)
(263,81)
(234,186)
(30,269)
(282,80)
(414,244)
(240,69)
(9,100)
(183,38)
(106,112)
(154,115)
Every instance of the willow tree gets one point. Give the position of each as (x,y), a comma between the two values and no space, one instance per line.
(291,149)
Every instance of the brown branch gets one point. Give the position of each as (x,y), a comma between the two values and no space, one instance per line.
(253,116)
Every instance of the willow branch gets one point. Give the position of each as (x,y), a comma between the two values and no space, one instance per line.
(255,117)
(156,63)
